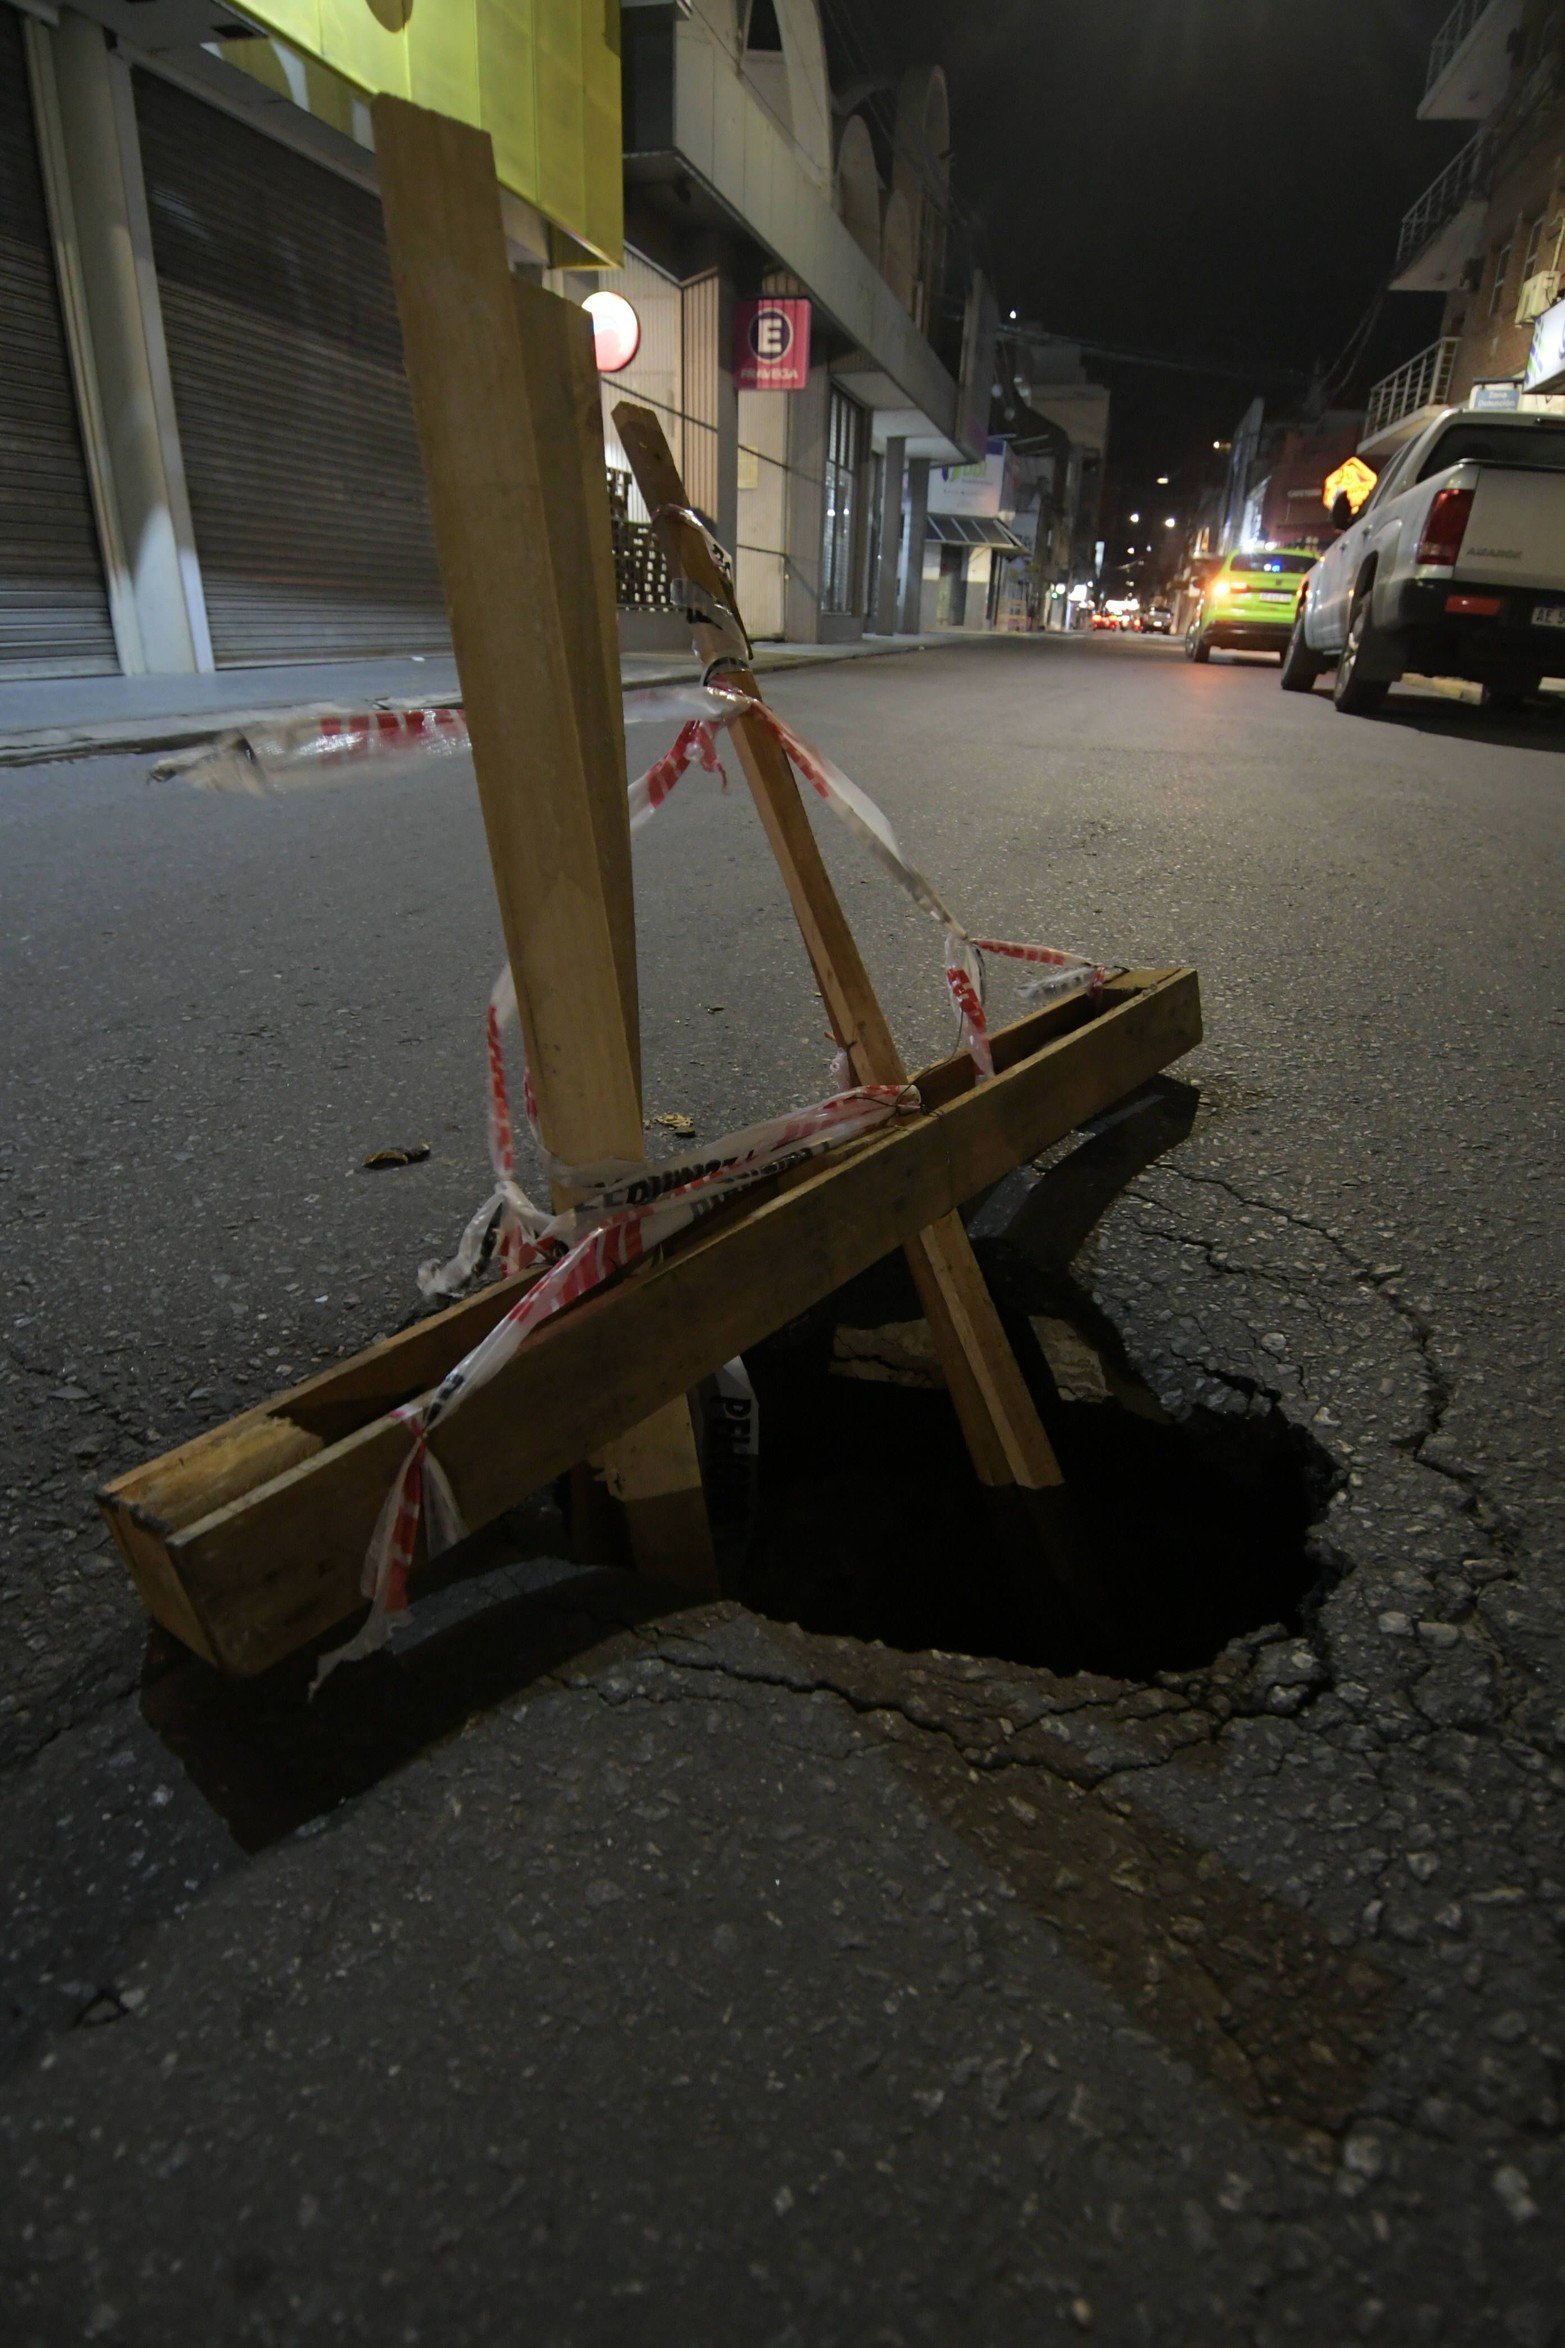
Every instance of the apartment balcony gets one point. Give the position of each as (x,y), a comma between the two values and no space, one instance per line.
(1402,403)
(1470,61)
(1443,231)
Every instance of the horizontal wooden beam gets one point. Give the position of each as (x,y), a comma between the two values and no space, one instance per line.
(276,1567)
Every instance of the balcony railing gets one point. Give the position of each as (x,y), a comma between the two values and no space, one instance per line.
(1423,382)
(1450,37)
(1462,178)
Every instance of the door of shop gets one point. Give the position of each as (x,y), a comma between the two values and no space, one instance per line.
(301,460)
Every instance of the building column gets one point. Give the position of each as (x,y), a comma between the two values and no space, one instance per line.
(883,615)
(711,402)
(93,161)
(805,516)
(913,566)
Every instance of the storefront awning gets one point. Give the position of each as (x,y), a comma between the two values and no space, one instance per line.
(974,530)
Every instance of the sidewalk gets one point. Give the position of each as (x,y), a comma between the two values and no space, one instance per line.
(81,717)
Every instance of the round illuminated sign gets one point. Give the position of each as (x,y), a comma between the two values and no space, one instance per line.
(616,331)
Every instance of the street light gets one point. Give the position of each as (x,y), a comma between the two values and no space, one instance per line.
(1135,517)
(1162,480)
(1169,522)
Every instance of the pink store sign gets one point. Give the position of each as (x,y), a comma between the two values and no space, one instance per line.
(772,344)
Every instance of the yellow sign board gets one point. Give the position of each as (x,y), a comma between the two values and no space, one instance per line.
(1355,477)
(542,77)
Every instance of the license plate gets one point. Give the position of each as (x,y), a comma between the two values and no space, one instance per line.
(1274,594)
(1548,615)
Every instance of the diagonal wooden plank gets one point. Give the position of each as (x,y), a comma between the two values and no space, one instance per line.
(999,1418)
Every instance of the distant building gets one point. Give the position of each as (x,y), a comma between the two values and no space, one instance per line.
(1055,421)
(1489,232)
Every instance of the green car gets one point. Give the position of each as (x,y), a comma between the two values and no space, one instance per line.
(1250,604)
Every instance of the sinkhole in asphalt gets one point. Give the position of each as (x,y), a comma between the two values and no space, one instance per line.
(867,1520)
(860,1517)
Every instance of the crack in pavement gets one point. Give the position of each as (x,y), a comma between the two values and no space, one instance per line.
(1439,1389)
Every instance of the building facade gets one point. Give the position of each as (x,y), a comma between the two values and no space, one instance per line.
(751,186)
(1489,232)
(207,451)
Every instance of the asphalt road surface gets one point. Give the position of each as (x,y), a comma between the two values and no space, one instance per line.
(973,2002)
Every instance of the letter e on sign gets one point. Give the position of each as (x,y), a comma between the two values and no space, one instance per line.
(772,343)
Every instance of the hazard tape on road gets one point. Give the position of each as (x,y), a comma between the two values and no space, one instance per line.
(636,1210)
(623,1211)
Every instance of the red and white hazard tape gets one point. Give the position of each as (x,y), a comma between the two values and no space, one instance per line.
(633,1211)
(626,1209)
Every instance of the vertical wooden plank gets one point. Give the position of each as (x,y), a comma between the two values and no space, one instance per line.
(567,408)
(1005,1436)
(534,697)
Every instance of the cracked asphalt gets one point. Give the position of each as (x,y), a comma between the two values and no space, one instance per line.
(698,1976)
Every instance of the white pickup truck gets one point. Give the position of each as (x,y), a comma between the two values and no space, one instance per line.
(1455,567)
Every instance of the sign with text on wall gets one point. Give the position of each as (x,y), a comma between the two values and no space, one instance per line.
(772,343)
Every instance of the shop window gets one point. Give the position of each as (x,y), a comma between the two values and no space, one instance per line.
(844,454)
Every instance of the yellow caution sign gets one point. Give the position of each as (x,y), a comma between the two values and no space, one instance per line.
(1355,477)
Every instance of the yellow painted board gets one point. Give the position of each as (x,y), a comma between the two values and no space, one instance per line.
(366,43)
(507,95)
(541,76)
(295,21)
(442,47)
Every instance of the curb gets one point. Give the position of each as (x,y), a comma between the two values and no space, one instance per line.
(133,737)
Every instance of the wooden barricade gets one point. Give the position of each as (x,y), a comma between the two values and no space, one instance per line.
(248,1543)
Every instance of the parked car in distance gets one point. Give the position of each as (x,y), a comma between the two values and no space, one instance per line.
(1250,604)
(1159,621)
(1454,567)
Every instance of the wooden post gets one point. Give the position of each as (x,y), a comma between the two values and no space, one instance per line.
(1005,1437)
(529,632)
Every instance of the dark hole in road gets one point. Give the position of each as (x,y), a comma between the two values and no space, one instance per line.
(863,1518)
(871,1524)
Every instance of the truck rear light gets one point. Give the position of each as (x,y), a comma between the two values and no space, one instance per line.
(1445,527)
(1475,607)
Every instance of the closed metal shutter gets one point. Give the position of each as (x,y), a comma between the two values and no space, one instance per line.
(301,460)
(54,612)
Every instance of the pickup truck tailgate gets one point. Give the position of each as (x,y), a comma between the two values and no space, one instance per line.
(1516,531)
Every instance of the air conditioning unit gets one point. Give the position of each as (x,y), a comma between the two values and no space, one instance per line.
(1540,292)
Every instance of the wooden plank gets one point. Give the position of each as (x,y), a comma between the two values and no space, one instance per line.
(999,1418)
(497,435)
(567,410)
(273,1570)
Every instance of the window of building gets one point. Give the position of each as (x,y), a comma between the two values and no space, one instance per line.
(1502,271)
(1534,240)
(844,451)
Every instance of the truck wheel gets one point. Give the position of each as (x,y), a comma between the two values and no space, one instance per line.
(1354,693)
(1300,667)
(1197,646)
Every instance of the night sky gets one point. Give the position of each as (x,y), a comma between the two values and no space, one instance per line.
(1219,180)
